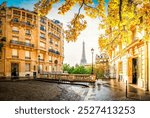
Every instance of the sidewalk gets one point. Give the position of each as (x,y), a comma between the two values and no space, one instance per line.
(133,91)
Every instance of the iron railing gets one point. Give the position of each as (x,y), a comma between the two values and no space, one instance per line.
(22,43)
(55,36)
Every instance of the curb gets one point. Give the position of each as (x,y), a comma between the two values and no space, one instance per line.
(61,82)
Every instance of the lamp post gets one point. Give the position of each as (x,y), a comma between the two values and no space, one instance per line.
(39,63)
(92,50)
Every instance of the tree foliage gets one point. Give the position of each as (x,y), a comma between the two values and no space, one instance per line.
(78,69)
(119,19)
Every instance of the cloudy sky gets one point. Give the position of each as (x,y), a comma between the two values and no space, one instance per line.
(73,50)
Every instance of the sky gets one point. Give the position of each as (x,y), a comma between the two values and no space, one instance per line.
(72,50)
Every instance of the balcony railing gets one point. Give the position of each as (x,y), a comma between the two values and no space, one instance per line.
(42,37)
(28,34)
(41,59)
(53,51)
(42,21)
(15,20)
(22,43)
(57,52)
(41,28)
(55,36)
(27,57)
(15,57)
(15,31)
(51,42)
(50,60)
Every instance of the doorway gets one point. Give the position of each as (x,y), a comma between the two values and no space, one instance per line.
(14,69)
(134,70)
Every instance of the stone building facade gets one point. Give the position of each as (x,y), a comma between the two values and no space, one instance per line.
(130,61)
(29,44)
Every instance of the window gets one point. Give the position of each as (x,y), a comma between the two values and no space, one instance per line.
(42,35)
(50,68)
(52,26)
(27,54)
(27,67)
(41,56)
(41,67)
(58,30)
(15,29)
(15,38)
(50,58)
(51,41)
(14,53)
(42,45)
(27,41)
(42,20)
(42,28)
(0,31)
(15,20)
(56,44)
(28,31)
(0,55)
(28,22)
(34,68)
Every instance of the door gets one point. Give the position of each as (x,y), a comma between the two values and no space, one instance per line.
(15,69)
(129,70)
(134,70)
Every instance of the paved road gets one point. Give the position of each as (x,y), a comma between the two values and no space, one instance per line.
(46,91)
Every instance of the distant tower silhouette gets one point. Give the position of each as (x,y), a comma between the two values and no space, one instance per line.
(83,59)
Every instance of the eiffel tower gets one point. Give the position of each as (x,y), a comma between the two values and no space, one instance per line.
(83,59)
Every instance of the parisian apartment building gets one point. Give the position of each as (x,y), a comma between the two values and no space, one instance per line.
(29,44)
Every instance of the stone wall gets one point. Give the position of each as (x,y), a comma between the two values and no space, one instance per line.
(71,77)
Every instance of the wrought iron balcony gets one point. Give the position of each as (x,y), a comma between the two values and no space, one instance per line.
(22,43)
(41,59)
(15,31)
(53,51)
(55,36)
(15,57)
(42,21)
(41,28)
(42,37)
(27,57)
(15,20)
(50,60)
(28,34)
(57,52)
(27,24)
(51,42)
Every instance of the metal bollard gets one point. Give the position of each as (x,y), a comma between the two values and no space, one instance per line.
(126,90)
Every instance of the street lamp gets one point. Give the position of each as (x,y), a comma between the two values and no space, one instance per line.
(39,63)
(92,50)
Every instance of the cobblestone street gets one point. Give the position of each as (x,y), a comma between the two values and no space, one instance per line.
(39,91)
(32,90)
